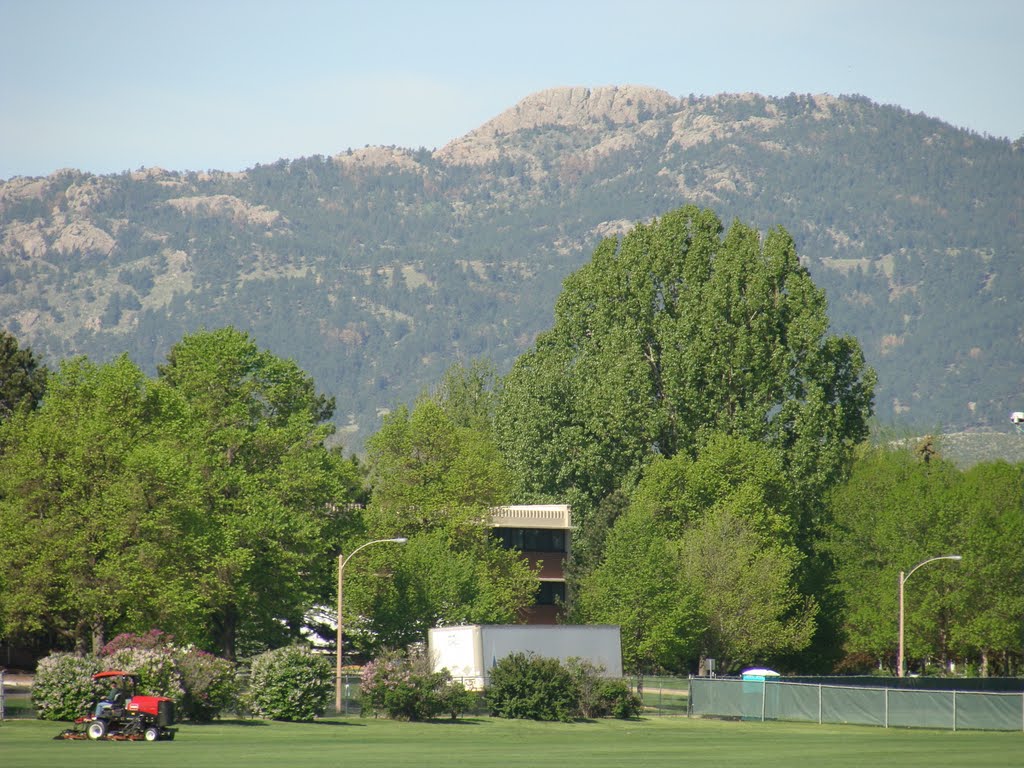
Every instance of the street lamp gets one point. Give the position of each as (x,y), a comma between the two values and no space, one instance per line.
(342,562)
(903,580)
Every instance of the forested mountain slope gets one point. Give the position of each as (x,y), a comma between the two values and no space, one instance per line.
(378,267)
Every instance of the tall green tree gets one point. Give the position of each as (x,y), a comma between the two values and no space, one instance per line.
(748,475)
(272,495)
(435,471)
(987,591)
(727,517)
(469,393)
(22,376)
(670,335)
(747,582)
(894,511)
(96,499)
(640,587)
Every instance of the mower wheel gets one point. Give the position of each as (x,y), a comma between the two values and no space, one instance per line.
(97,729)
(152,733)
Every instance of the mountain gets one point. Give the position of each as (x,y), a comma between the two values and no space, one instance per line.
(376,268)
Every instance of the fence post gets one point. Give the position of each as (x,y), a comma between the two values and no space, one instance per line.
(886,706)
(954,709)
(764,695)
(2,702)
(819,703)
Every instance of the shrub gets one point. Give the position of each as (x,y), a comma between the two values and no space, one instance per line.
(210,684)
(454,699)
(615,699)
(531,687)
(157,671)
(405,688)
(290,683)
(63,688)
(200,684)
(598,696)
(587,682)
(155,639)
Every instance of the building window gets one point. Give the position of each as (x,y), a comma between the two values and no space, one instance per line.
(551,593)
(531,539)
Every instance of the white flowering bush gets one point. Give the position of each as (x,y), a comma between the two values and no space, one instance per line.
(200,684)
(63,688)
(158,673)
(210,684)
(290,684)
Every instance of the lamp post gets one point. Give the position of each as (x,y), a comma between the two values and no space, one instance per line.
(342,562)
(903,580)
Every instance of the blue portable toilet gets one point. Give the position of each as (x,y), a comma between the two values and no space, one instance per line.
(754,691)
(758,673)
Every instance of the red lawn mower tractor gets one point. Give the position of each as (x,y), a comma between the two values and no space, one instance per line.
(124,715)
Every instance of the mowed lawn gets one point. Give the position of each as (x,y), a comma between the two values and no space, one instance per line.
(482,742)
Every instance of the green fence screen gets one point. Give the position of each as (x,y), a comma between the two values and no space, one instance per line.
(884,707)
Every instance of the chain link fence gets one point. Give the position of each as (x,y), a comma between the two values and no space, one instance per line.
(859,705)
(16,696)
(662,695)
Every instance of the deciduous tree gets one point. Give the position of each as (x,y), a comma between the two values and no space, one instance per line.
(670,335)
(987,590)
(95,498)
(271,493)
(435,471)
(894,511)
(640,586)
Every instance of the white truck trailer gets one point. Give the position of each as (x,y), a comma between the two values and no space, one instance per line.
(469,651)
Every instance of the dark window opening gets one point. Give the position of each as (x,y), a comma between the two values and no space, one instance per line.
(531,539)
(551,593)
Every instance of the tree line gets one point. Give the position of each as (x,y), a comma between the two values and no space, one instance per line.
(689,401)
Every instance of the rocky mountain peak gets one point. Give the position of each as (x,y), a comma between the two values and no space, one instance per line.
(576,108)
(579,107)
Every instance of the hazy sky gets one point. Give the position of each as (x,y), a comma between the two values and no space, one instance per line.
(110,86)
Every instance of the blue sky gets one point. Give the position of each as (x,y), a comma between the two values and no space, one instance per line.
(110,86)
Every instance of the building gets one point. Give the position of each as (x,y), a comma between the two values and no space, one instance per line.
(542,532)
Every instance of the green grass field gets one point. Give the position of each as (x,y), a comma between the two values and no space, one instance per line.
(483,742)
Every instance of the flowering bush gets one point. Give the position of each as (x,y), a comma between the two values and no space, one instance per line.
(155,639)
(290,684)
(404,688)
(200,684)
(210,684)
(63,688)
(158,673)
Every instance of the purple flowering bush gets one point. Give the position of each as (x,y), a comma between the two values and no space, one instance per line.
(405,688)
